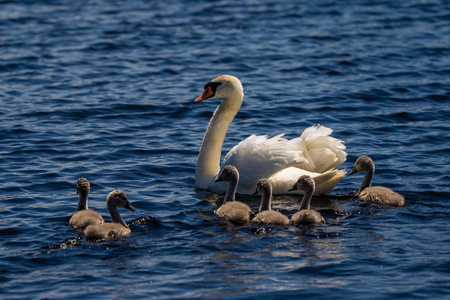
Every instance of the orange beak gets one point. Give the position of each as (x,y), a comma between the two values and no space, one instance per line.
(208,93)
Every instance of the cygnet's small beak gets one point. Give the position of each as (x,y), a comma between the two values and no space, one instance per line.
(218,178)
(353,171)
(129,206)
(294,188)
(255,193)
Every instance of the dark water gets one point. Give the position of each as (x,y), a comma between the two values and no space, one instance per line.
(103,89)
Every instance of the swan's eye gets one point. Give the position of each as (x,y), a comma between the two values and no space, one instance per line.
(212,85)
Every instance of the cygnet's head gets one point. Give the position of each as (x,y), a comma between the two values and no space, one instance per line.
(83,185)
(262,186)
(224,86)
(118,198)
(363,164)
(229,173)
(304,183)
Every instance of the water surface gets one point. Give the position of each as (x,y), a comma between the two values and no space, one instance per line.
(103,90)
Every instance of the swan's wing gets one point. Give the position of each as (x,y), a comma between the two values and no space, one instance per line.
(321,151)
(260,157)
(286,178)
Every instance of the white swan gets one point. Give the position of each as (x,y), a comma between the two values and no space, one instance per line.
(84,216)
(378,194)
(115,229)
(305,215)
(266,215)
(234,211)
(282,161)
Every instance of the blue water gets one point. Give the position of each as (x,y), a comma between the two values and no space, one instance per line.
(103,89)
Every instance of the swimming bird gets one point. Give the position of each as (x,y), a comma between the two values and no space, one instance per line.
(266,215)
(84,216)
(282,161)
(305,215)
(234,211)
(117,228)
(378,194)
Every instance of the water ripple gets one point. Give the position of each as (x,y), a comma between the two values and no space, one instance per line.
(104,90)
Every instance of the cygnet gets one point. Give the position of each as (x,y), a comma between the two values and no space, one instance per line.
(84,216)
(234,211)
(266,215)
(305,215)
(117,228)
(378,194)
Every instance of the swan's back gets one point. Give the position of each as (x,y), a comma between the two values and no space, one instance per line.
(307,216)
(382,195)
(271,217)
(284,161)
(236,212)
(106,231)
(83,218)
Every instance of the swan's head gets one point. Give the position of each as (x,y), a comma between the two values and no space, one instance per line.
(229,173)
(225,87)
(304,183)
(263,186)
(119,199)
(83,185)
(363,164)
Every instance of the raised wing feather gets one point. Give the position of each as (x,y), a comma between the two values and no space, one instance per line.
(321,151)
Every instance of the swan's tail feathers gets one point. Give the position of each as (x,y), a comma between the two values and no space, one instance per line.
(321,151)
(327,181)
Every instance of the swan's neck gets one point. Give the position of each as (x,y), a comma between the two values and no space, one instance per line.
(266,200)
(208,163)
(231,191)
(306,200)
(83,200)
(367,181)
(115,216)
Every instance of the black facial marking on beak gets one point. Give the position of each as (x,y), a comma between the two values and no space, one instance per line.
(213,85)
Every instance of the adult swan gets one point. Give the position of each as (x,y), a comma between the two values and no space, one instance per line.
(282,161)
